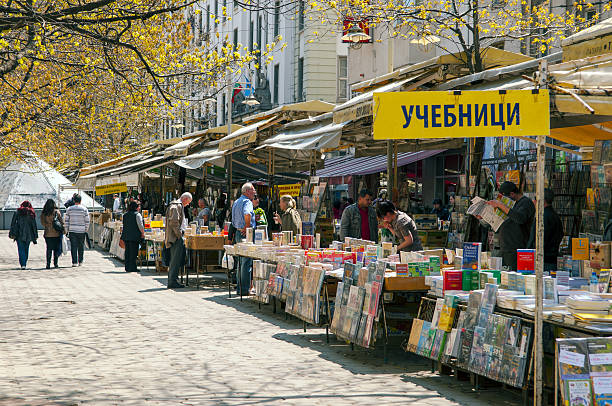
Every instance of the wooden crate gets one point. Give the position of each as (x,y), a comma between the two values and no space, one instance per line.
(206,242)
(405,283)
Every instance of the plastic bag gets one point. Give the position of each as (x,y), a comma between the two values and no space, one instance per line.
(65,245)
(227,261)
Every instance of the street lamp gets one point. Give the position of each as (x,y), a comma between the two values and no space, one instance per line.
(251,101)
(356,34)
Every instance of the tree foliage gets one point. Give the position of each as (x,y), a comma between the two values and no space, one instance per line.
(82,81)
(467,26)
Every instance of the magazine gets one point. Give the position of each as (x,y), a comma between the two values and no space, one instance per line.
(492,216)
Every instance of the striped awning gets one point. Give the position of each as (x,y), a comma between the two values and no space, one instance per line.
(344,166)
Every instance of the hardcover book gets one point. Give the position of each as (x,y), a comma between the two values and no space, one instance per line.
(471,256)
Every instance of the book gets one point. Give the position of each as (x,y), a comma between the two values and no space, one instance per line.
(473,310)
(437,348)
(525,260)
(600,356)
(478,356)
(415,334)
(513,331)
(465,347)
(471,256)
(436,315)
(578,392)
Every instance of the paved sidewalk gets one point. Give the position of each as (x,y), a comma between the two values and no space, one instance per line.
(96,335)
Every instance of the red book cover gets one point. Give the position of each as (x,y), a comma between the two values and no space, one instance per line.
(525,260)
(452,280)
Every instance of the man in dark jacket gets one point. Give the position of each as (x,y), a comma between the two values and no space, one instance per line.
(553,232)
(131,234)
(514,232)
(359,219)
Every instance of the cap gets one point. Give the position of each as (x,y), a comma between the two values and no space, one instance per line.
(507,187)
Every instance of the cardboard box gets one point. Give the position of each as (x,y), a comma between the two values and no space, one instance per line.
(205,242)
(403,283)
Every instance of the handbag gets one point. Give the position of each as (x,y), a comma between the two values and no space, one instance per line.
(57,225)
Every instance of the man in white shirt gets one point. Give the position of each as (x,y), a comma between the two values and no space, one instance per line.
(116,204)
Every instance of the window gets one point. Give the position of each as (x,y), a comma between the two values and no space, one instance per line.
(235,38)
(208,18)
(251,35)
(259,32)
(342,78)
(300,79)
(276,80)
(200,28)
(277,18)
(224,11)
(301,15)
(216,11)
(223,111)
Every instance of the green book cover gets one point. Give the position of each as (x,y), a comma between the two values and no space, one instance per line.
(466,280)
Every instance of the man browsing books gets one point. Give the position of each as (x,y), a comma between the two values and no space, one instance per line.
(514,232)
(401,226)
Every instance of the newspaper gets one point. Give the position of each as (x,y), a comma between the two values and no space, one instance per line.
(492,216)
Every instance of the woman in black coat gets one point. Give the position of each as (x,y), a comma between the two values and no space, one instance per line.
(23,231)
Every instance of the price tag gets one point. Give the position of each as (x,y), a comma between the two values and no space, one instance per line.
(601,359)
(571,358)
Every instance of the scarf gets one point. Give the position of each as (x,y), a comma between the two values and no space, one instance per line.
(26,209)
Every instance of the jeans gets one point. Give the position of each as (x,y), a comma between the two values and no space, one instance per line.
(131,255)
(23,248)
(177,260)
(53,249)
(77,246)
(244,273)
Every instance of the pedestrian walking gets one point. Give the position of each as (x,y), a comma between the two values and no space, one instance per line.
(23,231)
(77,224)
(53,223)
(131,234)
(176,224)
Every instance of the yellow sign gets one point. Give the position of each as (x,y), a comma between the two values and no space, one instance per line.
(157,224)
(293,190)
(239,141)
(449,114)
(110,189)
(580,248)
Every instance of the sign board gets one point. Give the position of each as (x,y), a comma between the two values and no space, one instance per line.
(111,189)
(465,114)
(585,49)
(239,141)
(355,112)
(293,190)
(580,248)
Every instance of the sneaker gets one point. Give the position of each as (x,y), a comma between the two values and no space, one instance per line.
(74,265)
(80,264)
(23,267)
(48,267)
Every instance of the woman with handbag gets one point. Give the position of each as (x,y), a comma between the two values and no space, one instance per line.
(23,231)
(53,223)
(131,235)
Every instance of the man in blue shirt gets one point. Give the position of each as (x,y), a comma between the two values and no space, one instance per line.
(243,217)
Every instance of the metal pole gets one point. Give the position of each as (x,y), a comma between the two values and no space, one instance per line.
(229,131)
(390,179)
(161,188)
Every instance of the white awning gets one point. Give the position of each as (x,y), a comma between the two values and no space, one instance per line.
(317,135)
(243,136)
(198,159)
(181,148)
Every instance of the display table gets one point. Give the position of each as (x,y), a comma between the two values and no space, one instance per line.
(200,246)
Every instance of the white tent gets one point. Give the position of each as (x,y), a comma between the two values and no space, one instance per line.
(36,181)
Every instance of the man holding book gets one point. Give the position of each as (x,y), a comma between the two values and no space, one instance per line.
(401,225)
(515,231)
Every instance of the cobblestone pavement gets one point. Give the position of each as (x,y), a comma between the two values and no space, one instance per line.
(96,335)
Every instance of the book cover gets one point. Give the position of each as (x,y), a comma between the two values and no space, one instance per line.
(505,372)
(471,256)
(513,331)
(449,346)
(478,357)
(602,390)
(429,342)
(436,315)
(367,333)
(466,280)
(423,338)
(473,310)
(489,297)
(578,392)
(573,358)
(524,341)
(600,356)
(463,358)
(437,349)
(525,260)
(415,334)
